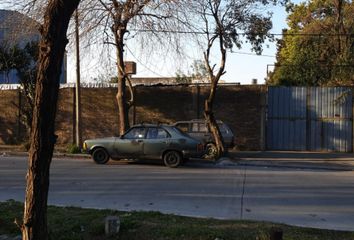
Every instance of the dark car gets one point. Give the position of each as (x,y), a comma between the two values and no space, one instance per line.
(197,128)
(146,141)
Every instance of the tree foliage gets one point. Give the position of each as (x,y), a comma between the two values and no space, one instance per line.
(23,60)
(318,47)
(198,73)
(222,23)
(11,56)
(27,75)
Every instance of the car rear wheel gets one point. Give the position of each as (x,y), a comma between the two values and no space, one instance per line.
(211,150)
(100,156)
(172,159)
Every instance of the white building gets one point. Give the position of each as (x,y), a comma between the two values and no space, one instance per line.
(19,29)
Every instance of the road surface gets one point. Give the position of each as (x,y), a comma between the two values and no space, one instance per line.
(303,197)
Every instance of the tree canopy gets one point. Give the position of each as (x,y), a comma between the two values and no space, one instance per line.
(318,47)
(222,23)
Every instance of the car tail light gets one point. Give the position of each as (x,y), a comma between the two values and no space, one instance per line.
(232,144)
(200,147)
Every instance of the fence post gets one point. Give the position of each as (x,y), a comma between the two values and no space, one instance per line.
(19,114)
(198,101)
(263,103)
(308,119)
(352,119)
(134,106)
(73,115)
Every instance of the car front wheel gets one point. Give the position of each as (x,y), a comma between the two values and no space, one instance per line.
(100,156)
(172,159)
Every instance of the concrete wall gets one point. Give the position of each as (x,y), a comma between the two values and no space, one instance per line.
(239,106)
(9,124)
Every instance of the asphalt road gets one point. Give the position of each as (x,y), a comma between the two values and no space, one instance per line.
(304,197)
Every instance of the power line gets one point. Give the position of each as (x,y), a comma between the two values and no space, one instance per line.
(253,54)
(244,34)
(149,69)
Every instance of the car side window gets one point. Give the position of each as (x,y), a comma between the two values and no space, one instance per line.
(161,133)
(203,127)
(135,133)
(157,133)
(195,127)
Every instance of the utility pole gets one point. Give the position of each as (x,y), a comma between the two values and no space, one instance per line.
(78,139)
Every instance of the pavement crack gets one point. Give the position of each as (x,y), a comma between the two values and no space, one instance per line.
(243,191)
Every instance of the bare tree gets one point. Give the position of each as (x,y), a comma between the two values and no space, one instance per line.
(51,52)
(115,21)
(226,25)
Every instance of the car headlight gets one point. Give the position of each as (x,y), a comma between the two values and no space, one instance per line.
(84,146)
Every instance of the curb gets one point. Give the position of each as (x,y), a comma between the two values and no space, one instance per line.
(300,166)
(55,155)
(233,161)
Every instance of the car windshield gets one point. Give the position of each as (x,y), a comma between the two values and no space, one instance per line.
(222,127)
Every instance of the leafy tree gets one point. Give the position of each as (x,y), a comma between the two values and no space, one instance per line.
(198,74)
(199,71)
(222,21)
(26,71)
(10,57)
(23,60)
(318,47)
(182,78)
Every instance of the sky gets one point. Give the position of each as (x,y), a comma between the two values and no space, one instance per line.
(241,65)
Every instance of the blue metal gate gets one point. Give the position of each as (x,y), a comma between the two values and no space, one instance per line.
(313,119)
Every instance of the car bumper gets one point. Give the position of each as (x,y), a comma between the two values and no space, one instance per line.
(192,154)
(85,148)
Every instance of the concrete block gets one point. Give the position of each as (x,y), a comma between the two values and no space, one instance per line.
(112,225)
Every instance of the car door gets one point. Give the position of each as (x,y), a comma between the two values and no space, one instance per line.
(157,140)
(131,144)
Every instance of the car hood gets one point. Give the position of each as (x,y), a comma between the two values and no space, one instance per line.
(107,139)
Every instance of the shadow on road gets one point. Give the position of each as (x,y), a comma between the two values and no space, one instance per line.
(334,156)
(269,165)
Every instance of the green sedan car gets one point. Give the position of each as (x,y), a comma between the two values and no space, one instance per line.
(146,141)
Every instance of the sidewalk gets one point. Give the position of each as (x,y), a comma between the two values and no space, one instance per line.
(292,159)
(18,150)
(280,159)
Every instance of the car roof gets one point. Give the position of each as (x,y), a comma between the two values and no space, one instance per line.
(197,120)
(150,125)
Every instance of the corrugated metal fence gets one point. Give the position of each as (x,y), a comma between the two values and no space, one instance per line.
(310,118)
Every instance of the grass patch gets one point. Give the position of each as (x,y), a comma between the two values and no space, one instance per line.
(71,223)
(73,149)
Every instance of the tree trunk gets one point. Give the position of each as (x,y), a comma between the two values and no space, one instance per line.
(52,47)
(214,79)
(123,109)
(211,121)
